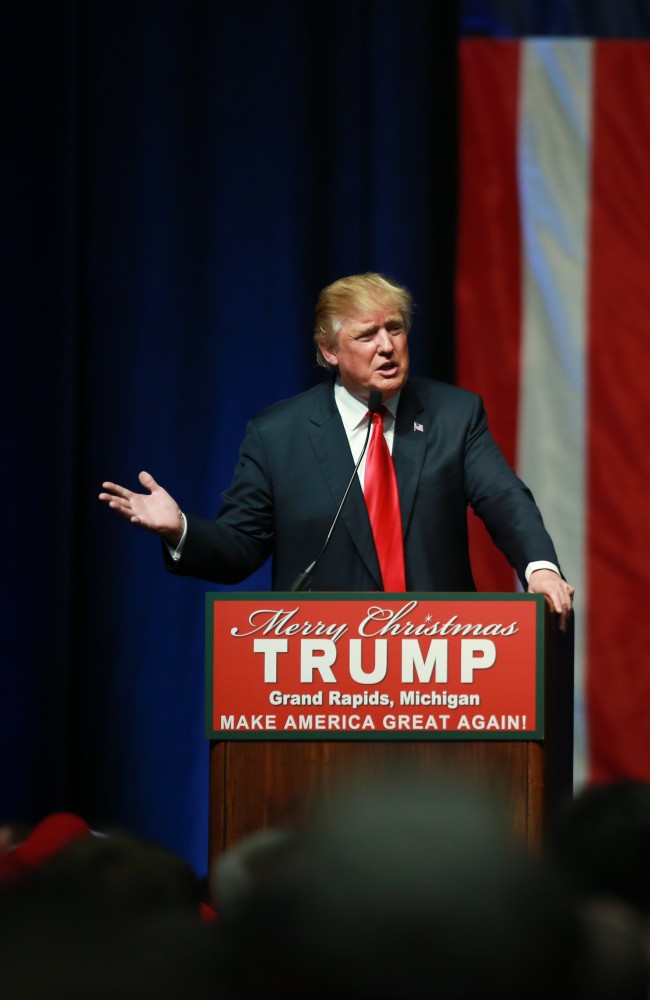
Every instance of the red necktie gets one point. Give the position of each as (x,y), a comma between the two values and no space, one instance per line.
(382,501)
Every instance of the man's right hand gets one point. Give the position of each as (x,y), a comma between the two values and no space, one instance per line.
(155,511)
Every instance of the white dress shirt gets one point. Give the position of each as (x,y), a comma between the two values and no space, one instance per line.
(354,414)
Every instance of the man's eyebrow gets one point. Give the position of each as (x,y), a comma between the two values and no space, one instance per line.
(391,321)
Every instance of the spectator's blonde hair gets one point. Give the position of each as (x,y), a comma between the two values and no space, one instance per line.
(356,293)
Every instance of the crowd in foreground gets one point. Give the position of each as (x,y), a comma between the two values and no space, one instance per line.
(408,890)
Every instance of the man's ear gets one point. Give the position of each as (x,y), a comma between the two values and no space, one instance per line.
(330,356)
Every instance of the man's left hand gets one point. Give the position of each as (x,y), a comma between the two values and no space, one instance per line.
(558,593)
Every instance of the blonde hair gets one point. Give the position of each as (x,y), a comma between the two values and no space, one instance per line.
(357,292)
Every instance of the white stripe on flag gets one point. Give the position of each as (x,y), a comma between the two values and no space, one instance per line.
(554,171)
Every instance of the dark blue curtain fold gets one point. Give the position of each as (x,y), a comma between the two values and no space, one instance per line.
(179,180)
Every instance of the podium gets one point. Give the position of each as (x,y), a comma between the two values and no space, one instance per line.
(304,690)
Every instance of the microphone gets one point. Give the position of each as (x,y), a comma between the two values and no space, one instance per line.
(303,579)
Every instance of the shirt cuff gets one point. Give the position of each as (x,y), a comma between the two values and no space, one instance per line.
(177,552)
(532,566)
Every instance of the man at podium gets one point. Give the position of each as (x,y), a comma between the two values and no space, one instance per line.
(361,483)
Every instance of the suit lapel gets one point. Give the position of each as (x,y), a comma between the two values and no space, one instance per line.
(329,441)
(409,449)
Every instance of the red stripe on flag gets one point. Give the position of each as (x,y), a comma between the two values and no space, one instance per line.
(618,529)
(488,277)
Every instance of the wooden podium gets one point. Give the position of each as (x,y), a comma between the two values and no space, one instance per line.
(260,779)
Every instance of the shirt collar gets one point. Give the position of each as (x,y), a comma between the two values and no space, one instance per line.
(354,409)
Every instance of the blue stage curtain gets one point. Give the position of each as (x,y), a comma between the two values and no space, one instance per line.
(179,180)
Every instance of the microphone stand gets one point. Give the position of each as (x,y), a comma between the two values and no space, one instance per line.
(303,580)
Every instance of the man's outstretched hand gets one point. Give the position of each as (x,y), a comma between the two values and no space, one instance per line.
(558,593)
(155,511)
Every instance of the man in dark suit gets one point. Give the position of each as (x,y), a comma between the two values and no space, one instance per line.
(298,456)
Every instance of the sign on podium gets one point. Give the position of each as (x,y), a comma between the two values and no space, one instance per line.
(368,666)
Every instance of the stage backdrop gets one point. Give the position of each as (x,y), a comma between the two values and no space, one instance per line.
(179,180)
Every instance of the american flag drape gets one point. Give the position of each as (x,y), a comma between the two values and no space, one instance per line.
(553,321)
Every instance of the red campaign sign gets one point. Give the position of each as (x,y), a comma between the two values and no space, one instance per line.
(365,666)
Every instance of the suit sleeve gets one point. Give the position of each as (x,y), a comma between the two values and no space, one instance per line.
(502,500)
(242,537)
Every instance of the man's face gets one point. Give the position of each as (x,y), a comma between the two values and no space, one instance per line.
(371,352)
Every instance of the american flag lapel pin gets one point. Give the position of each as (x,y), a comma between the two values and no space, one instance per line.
(418,427)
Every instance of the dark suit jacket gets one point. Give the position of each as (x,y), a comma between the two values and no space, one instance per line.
(295,463)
